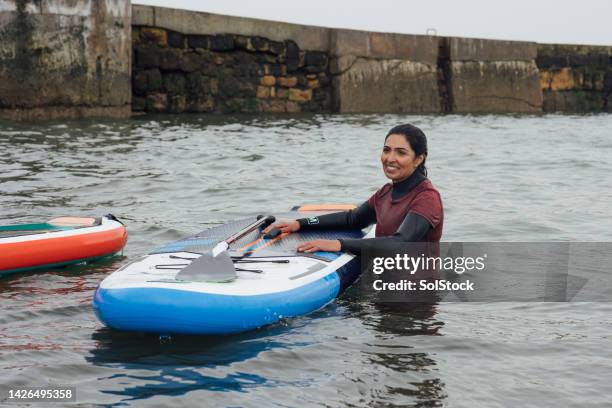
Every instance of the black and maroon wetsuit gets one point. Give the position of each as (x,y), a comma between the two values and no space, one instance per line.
(408,211)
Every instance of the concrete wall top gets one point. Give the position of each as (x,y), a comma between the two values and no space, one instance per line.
(193,22)
(339,42)
(475,49)
(564,49)
(417,48)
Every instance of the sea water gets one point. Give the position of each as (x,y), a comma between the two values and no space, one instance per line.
(502,178)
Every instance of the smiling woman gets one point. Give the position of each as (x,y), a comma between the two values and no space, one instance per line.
(409,209)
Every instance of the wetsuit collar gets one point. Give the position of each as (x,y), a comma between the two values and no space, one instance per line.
(403,187)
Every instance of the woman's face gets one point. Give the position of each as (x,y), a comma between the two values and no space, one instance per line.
(398,159)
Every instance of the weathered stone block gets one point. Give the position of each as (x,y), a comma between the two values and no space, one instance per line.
(314,69)
(206,55)
(276,47)
(273,69)
(177,103)
(247,89)
(588,81)
(607,87)
(573,101)
(169,59)
(315,58)
(142,15)
(224,42)
(474,49)
(268,80)
(418,48)
(545,79)
(157,36)
(259,44)
(292,56)
(510,86)
(174,83)
(324,79)
(197,84)
(201,104)
(228,84)
(247,105)
(198,41)
(282,93)
(552,61)
(139,104)
(350,42)
(272,105)
(157,102)
(140,83)
(243,57)
(292,107)
(191,61)
(208,68)
(154,80)
(249,70)
(313,83)
(263,92)
(147,57)
(387,86)
(321,95)
(289,82)
(584,60)
(241,42)
(214,86)
(302,62)
(65,65)
(598,81)
(341,64)
(300,95)
(562,80)
(266,58)
(176,40)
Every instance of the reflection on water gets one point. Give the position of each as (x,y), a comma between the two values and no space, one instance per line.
(502,178)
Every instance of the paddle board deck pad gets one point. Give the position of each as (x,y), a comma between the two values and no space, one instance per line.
(156,294)
(58,242)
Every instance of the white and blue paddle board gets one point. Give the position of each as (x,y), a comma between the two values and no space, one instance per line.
(272,281)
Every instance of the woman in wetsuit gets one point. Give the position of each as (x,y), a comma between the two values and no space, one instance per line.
(409,209)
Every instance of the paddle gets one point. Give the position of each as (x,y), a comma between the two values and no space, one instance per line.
(217,265)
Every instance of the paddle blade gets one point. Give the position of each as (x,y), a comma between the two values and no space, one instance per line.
(219,248)
(208,268)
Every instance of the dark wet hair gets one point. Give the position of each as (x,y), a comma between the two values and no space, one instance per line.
(415,138)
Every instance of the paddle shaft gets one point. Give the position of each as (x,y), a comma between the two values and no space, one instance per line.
(249,228)
(224,245)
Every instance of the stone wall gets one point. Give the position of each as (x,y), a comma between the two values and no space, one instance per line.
(198,62)
(176,72)
(64,58)
(493,76)
(377,72)
(575,78)
(71,58)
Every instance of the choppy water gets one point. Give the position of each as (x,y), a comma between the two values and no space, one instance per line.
(502,178)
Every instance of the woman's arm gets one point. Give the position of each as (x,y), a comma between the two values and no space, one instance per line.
(414,228)
(357,218)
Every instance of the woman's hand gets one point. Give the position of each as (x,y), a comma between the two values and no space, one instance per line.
(284,226)
(326,245)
